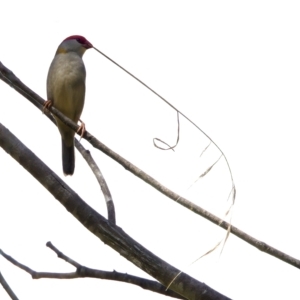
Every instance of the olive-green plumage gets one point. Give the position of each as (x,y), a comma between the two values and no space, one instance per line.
(66,90)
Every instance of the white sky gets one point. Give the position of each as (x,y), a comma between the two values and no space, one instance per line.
(233,68)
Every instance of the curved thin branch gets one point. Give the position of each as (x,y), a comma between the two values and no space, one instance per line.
(7,76)
(7,287)
(111,215)
(110,234)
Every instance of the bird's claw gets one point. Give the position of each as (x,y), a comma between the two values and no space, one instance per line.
(47,105)
(81,129)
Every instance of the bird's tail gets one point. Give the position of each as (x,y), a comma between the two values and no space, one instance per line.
(68,158)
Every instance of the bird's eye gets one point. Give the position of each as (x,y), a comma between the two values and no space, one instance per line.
(80,40)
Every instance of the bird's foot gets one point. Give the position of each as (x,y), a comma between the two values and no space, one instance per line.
(47,105)
(81,129)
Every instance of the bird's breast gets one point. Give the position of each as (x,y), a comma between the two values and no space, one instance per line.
(66,84)
(67,68)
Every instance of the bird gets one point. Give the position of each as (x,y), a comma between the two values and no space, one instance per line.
(66,92)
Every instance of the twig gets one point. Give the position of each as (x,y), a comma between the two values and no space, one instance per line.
(104,187)
(84,272)
(63,256)
(7,287)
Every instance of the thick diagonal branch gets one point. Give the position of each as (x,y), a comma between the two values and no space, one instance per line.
(109,233)
(7,288)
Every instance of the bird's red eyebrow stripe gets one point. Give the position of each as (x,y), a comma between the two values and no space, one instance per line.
(81,39)
(74,37)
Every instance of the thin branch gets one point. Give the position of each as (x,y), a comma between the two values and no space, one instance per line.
(104,187)
(37,275)
(110,234)
(7,288)
(63,256)
(85,272)
(15,83)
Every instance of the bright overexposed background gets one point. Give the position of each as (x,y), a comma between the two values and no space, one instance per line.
(233,67)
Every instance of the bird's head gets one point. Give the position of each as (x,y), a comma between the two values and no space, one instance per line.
(74,43)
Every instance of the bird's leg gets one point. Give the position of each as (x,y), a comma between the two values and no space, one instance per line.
(47,105)
(81,129)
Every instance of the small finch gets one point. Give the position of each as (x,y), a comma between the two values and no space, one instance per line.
(66,92)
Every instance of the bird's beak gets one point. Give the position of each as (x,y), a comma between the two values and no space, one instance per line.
(88,45)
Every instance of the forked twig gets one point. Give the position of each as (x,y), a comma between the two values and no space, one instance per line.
(83,272)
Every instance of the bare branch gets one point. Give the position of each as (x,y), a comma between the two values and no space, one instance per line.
(82,272)
(7,287)
(110,234)
(27,93)
(63,256)
(37,275)
(104,187)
